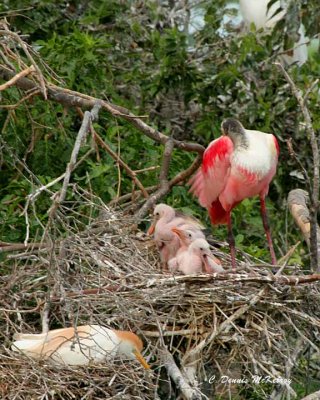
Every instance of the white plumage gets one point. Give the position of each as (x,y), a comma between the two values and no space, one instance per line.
(256,12)
(80,346)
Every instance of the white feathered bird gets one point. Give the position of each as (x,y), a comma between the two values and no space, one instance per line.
(80,346)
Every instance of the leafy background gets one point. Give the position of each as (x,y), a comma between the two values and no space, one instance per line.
(186,69)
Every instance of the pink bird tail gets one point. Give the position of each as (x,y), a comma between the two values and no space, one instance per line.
(218,214)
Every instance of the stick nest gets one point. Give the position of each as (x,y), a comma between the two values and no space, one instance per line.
(93,266)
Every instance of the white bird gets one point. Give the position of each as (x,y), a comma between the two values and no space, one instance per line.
(196,259)
(256,12)
(81,345)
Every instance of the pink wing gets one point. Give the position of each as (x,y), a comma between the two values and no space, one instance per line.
(211,178)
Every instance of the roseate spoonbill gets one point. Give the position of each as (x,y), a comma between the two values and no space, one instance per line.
(257,12)
(197,258)
(239,164)
(166,217)
(80,346)
(164,214)
(186,237)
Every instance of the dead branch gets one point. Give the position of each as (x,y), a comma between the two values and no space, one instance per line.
(167,186)
(125,166)
(163,177)
(188,392)
(314,188)
(29,56)
(88,118)
(291,280)
(71,98)
(20,246)
(13,80)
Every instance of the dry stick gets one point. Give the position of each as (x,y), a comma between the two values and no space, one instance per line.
(188,392)
(32,196)
(163,177)
(174,372)
(177,280)
(128,196)
(45,317)
(71,98)
(29,56)
(314,190)
(125,166)
(297,202)
(83,131)
(162,191)
(13,80)
(98,139)
(14,106)
(290,280)
(21,246)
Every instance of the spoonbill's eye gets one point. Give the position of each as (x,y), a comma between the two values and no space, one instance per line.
(201,248)
(157,214)
(190,236)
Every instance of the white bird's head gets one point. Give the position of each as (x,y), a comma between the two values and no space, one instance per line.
(130,345)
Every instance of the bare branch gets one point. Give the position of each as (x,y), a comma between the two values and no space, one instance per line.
(13,80)
(188,392)
(71,98)
(85,126)
(314,189)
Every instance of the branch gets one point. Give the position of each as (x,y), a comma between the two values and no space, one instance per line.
(71,98)
(125,166)
(85,126)
(188,392)
(13,80)
(29,56)
(20,246)
(162,191)
(314,189)
(291,280)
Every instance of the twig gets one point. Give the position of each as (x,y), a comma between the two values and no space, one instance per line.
(129,196)
(75,99)
(13,80)
(167,186)
(16,105)
(291,280)
(133,175)
(45,317)
(314,189)
(85,126)
(188,392)
(164,184)
(21,246)
(29,56)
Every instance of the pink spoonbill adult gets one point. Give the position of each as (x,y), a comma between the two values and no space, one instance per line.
(239,164)
(80,346)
